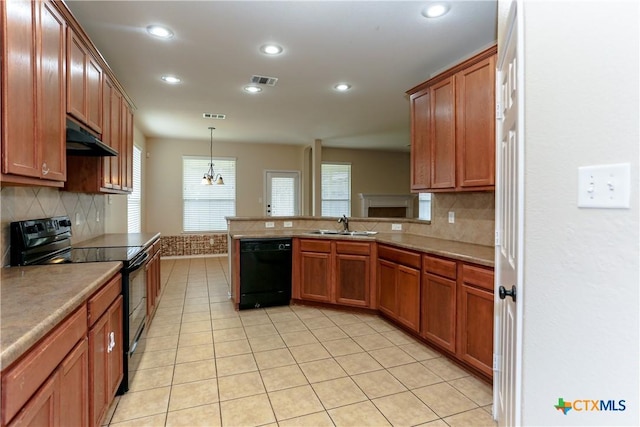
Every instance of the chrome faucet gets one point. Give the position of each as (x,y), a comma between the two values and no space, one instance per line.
(345,222)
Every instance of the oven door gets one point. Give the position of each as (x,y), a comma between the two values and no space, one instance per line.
(137,287)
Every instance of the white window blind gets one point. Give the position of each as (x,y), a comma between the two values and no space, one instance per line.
(134,200)
(424,206)
(282,196)
(336,189)
(206,206)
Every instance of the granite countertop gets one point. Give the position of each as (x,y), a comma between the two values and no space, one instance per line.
(36,299)
(468,252)
(119,239)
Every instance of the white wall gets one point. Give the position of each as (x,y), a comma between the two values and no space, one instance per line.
(581,266)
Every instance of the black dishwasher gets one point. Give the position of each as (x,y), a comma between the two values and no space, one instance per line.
(265,272)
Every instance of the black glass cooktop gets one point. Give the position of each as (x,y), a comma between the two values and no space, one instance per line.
(117,253)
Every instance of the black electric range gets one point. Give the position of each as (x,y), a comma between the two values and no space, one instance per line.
(47,241)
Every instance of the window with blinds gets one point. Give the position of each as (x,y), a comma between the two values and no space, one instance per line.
(336,189)
(134,200)
(206,206)
(424,206)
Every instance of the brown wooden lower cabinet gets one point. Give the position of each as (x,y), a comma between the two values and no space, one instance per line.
(62,399)
(70,377)
(333,271)
(475,317)
(439,302)
(152,271)
(399,285)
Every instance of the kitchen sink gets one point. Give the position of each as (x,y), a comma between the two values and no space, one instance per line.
(345,233)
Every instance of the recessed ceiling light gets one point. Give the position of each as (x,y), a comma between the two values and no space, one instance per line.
(435,10)
(160,31)
(271,49)
(253,89)
(341,87)
(171,79)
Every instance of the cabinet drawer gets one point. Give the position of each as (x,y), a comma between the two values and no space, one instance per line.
(441,267)
(399,256)
(353,248)
(102,299)
(478,276)
(25,377)
(312,245)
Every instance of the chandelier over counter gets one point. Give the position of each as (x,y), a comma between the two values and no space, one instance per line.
(210,177)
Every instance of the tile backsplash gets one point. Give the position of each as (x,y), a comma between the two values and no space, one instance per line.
(21,203)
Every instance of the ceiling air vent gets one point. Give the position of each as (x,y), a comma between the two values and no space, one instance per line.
(213,116)
(264,80)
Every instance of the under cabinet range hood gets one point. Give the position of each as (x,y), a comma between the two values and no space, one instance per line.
(80,142)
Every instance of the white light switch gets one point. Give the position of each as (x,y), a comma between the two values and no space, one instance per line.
(396,227)
(604,186)
(287,224)
(269,224)
(452,217)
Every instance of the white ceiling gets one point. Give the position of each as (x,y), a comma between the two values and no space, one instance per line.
(382,48)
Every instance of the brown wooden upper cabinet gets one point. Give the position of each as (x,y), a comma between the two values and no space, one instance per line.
(453,128)
(33,94)
(84,83)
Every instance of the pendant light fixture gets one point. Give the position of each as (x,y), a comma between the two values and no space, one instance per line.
(210,177)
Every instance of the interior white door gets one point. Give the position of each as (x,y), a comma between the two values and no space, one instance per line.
(282,193)
(509,224)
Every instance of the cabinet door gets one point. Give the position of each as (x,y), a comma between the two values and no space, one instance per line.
(98,369)
(19,147)
(107,136)
(105,360)
(420,147)
(352,280)
(475,327)
(51,94)
(115,345)
(94,94)
(387,300)
(475,124)
(116,105)
(315,273)
(408,297)
(442,134)
(76,72)
(439,311)
(74,383)
(43,409)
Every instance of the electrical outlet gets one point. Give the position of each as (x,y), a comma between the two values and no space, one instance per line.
(77,218)
(396,227)
(287,224)
(269,224)
(97,216)
(452,217)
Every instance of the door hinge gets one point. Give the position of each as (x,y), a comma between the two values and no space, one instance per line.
(497,238)
(496,362)
(499,115)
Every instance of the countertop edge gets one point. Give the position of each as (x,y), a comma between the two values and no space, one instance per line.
(461,254)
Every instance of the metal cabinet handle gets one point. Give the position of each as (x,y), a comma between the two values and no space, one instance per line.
(112,342)
(503,293)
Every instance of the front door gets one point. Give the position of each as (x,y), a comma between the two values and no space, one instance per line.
(509,224)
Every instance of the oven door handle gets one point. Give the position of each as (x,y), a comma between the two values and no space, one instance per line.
(139,263)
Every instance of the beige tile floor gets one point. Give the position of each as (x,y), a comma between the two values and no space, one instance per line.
(205,364)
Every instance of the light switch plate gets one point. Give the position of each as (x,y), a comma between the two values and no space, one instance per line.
(452,217)
(604,186)
(269,224)
(396,227)
(287,224)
